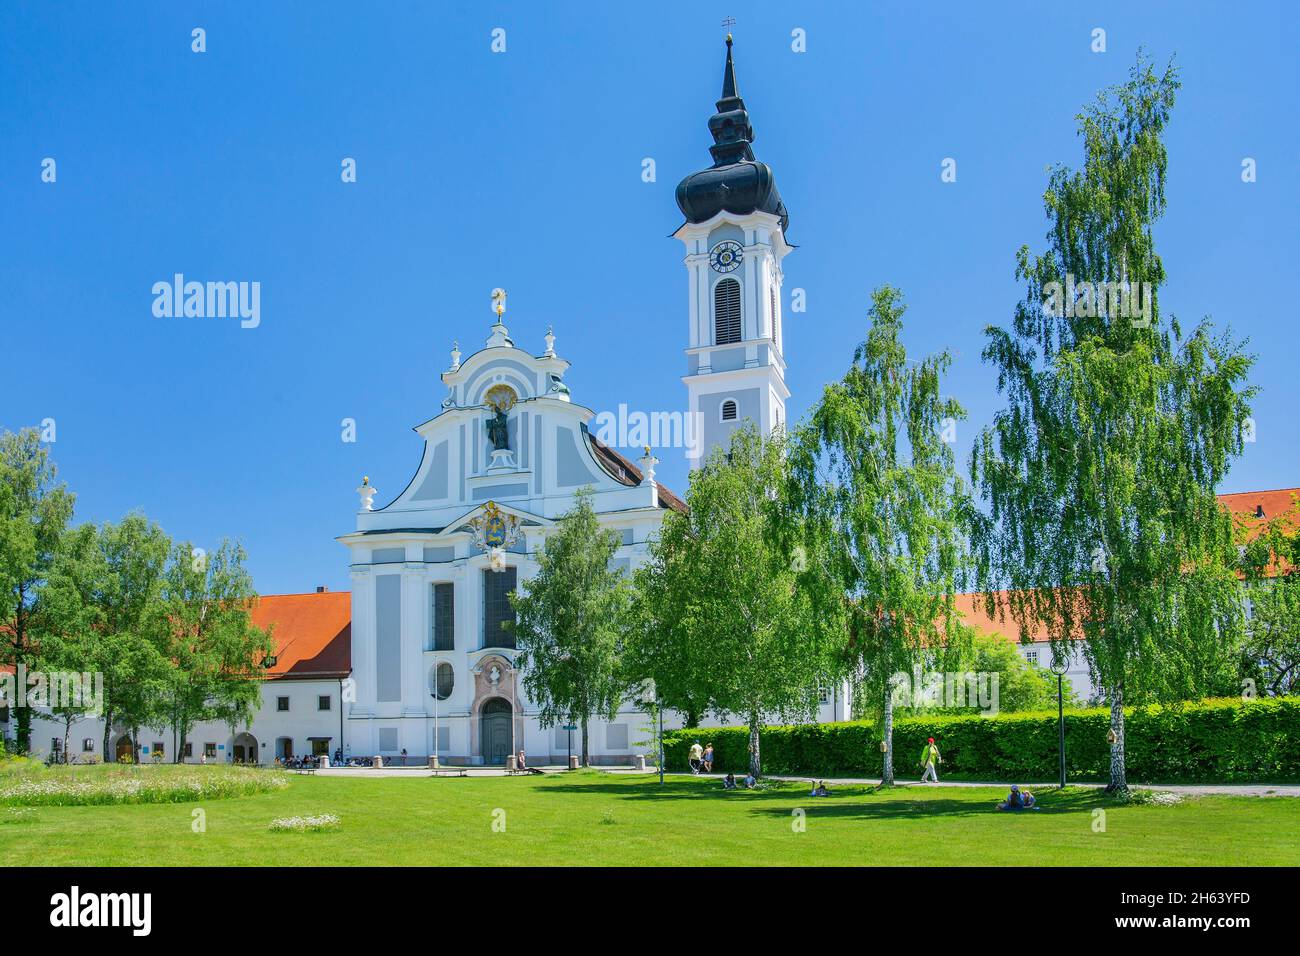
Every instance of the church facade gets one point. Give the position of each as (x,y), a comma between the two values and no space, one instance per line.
(427,666)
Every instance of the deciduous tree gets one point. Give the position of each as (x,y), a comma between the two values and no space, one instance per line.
(723,618)
(569,621)
(877,483)
(1100,472)
(34,511)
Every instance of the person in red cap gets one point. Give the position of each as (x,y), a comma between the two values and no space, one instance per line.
(930,760)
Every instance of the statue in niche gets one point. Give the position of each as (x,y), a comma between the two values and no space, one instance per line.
(498,431)
(494,675)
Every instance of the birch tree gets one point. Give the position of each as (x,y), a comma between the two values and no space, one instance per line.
(569,619)
(875,478)
(730,621)
(1100,472)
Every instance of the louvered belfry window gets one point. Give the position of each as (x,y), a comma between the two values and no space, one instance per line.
(728,411)
(726,312)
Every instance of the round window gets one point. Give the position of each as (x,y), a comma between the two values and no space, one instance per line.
(442,680)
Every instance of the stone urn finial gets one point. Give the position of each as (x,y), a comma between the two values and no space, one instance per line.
(648,462)
(455,356)
(367,493)
(550,341)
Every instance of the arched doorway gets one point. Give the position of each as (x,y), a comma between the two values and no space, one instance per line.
(124,752)
(245,749)
(497,734)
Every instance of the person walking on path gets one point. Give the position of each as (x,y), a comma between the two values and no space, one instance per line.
(930,761)
(696,757)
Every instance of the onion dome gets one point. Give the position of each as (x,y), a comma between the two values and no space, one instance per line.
(736,181)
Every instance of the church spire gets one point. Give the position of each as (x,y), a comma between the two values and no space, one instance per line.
(736,182)
(729,76)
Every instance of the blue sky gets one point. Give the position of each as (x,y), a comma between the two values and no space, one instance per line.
(523,170)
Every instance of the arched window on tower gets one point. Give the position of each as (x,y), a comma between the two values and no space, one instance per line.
(726,312)
(729,411)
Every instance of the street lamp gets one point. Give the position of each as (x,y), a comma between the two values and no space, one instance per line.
(433,759)
(1059,667)
(434,692)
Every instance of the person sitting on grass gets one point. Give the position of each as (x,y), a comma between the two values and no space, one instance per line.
(750,781)
(819,790)
(729,782)
(1017,800)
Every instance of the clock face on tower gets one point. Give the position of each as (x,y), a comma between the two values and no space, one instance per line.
(726,256)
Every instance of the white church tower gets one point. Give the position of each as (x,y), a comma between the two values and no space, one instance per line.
(735,240)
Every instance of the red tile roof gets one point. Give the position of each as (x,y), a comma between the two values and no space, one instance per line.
(623,471)
(1244,503)
(312,633)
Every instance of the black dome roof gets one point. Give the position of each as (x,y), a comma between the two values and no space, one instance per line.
(736,181)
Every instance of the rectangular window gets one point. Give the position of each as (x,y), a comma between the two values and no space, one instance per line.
(320,747)
(616,737)
(158,749)
(282,704)
(323,702)
(496,608)
(444,739)
(1031,656)
(209,750)
(387,739)
(56,744)
(88,745)
(443,617)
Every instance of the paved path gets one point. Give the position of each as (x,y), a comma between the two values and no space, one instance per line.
(1233,790)
(1227,789)
(400,771)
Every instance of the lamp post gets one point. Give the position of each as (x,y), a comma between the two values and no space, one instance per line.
(1058,668)
(433,759)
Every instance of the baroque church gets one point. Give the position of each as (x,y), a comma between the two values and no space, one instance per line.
(415,661)
(506,455)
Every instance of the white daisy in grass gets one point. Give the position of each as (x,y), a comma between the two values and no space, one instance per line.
(306,824)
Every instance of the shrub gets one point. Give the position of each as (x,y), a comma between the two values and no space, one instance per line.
(1228,740)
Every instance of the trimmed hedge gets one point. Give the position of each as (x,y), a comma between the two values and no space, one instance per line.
(1217,741)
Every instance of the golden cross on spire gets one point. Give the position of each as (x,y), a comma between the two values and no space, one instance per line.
(499,302)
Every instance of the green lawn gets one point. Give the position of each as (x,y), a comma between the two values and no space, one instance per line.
(600,819)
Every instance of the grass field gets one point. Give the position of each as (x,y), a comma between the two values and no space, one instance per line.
(605,819)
